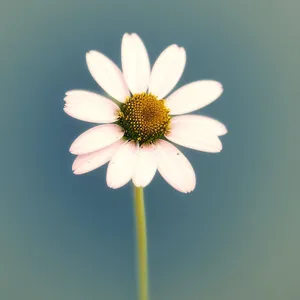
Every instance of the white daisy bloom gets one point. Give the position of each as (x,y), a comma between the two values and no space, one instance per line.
(133,136)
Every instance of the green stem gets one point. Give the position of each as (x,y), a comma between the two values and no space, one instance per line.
(141,236)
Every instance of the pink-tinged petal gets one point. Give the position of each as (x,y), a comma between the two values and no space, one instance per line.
(135,63)
(175,168)
(107,75)
(146,165)
(96,138)
(90,107)
(194,138)
(121,166)
(88,162)
(195,123)
(193,96)
(167,71)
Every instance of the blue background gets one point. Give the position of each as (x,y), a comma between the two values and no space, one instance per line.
(70,237)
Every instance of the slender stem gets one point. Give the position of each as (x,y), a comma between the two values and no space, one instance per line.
(141,236)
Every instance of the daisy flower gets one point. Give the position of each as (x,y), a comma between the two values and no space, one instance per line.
(142,120)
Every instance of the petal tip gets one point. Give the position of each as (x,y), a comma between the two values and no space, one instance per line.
(221,87)
(185,190)
(182,49)
(90,53)
(125,36)
(135,35)
(73,150)
(111,185)
(137,184)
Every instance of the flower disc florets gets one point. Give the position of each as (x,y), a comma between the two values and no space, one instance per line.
(144,118)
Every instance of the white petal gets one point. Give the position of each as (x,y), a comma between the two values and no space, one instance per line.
(121,166)
(175,168)
(135,63)
(195,123)
(146,165)
(194,96)
(107,75)
(97,138)
(88,162)
(90,107)
(167,71)
(194,138)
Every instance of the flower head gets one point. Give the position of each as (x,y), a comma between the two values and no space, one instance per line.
(132,137)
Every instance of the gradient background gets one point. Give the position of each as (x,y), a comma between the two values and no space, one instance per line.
(70,237)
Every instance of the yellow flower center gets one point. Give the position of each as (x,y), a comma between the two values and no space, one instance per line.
(144,118)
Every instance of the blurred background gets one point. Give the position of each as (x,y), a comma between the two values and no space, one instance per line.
(71,237)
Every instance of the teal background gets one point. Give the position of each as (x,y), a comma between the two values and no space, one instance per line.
(70,237)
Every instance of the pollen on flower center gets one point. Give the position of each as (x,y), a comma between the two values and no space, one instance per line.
(144,118)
